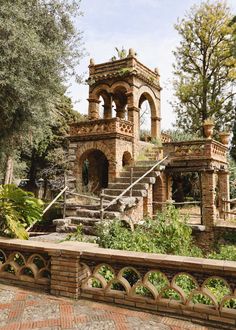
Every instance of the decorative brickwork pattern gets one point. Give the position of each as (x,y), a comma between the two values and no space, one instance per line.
(102,127)
(31,269)
(141,280)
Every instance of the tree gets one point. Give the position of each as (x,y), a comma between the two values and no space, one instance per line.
(204,68)
(233,141)
(46,156)
(39,49)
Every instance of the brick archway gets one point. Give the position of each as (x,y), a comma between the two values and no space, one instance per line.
(94,170)
(98,147)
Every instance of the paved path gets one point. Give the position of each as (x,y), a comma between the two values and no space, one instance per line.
(21,309)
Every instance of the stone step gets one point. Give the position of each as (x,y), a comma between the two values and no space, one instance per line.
(117,192)
(84,221)
(89,224)
(93,214)
(125,185)
(151,180)
(145,163)
(138,173)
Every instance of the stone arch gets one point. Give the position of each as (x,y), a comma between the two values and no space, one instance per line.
(81,153)
(146,94)
(95,145)
(120,84)
(96,92)
(102,91)
(102,96)
(94,170)
(119,96)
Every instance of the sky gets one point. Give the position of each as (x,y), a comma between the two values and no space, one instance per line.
(145,25)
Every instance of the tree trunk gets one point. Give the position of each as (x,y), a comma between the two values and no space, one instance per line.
(31,184)
(8,170)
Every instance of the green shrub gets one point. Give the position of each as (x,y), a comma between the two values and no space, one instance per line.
(166,233)
(225,252)
(18,210)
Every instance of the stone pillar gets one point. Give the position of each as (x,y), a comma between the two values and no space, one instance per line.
(121,112)
(65,274)
(208,190)
(133,116)
(224,192)
(155,127)
(93,110)
(159,193)
(168,187)
(147,203)
(108,109)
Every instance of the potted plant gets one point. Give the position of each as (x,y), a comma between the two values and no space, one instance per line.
(208,127)
(224,137)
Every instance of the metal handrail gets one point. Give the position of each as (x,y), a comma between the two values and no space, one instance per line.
(133,184)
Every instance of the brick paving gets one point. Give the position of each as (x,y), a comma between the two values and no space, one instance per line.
(25,310)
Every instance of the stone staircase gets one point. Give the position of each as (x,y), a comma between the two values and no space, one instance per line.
(89,215)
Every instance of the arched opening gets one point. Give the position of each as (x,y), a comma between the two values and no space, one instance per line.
(186,192)
(126,159)
(105,105)
(145,121)
(113,111)
(94,165)
(120,100)
(147,118)
(101,107)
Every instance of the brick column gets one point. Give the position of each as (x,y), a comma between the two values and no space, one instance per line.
(208,189)
(168,187)
(147,203)
(65,274)
(93,110)
(155,127)
(108,109)
(224,191)
(159,193)
(133,116)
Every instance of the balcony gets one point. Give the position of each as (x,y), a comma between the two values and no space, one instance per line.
(199,150)
(102,127)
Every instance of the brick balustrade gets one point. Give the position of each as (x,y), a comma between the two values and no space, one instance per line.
(140,280)
(102,127)
(198,150)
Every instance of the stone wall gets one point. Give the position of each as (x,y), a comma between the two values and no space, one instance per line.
(71,269)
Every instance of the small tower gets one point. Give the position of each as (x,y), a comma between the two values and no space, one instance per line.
(109,139)
(125,84)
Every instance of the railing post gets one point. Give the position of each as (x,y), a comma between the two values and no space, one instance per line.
(131,180)
(223,208)
(101,204)
(64,197)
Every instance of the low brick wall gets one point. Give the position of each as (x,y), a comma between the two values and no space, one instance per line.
(80,270)
(225,233)
(220,234)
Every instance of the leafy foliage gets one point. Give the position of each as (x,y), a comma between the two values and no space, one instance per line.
(18,210)
(167,233)
(181,135)
(39,49)
(205,67)
(232,177)
(225,252)
(46,157)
